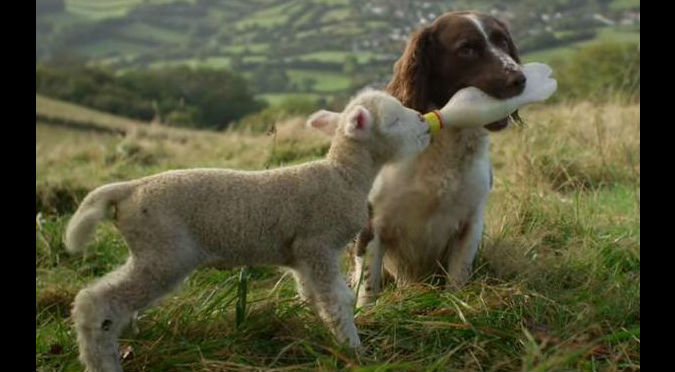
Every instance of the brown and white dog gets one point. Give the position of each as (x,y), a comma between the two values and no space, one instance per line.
(427,213)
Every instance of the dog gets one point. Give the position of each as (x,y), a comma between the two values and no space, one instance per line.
(426,213)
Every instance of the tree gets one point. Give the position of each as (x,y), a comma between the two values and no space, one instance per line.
(182,96)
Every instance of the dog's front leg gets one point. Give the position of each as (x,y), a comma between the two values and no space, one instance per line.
(371,264)
(464,250)
(358,251)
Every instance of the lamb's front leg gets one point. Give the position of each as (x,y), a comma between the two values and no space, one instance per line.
(332,298)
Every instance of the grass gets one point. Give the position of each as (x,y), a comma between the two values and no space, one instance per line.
(336,56)
(624,4)
(256,48)
(556,284)
(101,9)
(107,47)
(332,2)
(270,17)
(208,62)
(47,107)
(274,99)
(326,82)
(607,34)
(64,19)
(254,59)
(335,15)
(345,28)
(146,32)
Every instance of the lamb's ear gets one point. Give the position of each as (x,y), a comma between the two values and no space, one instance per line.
(359,123)
(325,121)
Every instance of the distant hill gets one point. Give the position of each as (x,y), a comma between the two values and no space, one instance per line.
(315,47)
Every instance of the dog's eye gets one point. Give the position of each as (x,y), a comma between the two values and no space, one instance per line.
(504,44)
(501,42)
(393,123)
(467,51)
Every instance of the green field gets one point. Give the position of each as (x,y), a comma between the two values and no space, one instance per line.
(154,34)
(624,4)
(556,284)
(65,19)
(336,56)
(292,36)
(335,15)
(274,99)
(564,52)
(255,48)
(326,81)
(47,107)
(101,9)
(270,16)
(208,62)
(110,47)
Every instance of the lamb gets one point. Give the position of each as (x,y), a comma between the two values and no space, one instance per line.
(296,217)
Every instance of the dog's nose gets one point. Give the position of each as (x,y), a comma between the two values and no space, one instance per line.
(517,81)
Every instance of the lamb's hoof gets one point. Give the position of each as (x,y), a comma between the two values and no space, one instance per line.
(355,344)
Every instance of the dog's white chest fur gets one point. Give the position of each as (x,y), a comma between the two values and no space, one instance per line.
(423,206)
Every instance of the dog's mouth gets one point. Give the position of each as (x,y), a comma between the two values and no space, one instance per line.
(497,125)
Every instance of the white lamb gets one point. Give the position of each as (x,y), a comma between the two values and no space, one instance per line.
(298,217)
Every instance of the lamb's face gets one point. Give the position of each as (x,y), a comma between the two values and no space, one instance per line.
(379,121)
(402,128)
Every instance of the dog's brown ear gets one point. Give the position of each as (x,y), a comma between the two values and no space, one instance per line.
(410,83)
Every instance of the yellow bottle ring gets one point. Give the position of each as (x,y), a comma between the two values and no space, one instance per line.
(434,120)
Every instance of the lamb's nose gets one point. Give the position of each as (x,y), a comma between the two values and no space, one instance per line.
(517,81)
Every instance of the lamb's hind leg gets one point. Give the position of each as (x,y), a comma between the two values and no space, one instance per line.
(102,310)
(331,297)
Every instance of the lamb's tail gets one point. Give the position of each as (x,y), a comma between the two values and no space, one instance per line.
(92,211)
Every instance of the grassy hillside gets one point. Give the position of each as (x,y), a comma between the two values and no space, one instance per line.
(606,34)
(303,39)
(556,285)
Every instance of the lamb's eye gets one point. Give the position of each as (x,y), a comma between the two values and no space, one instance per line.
(393,123)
